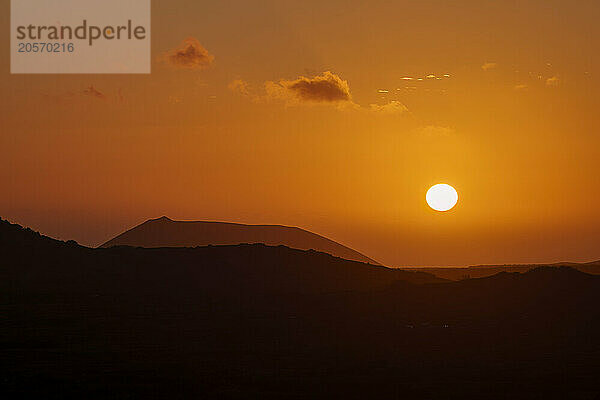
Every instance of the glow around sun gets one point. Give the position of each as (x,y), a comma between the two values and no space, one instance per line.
(441,197)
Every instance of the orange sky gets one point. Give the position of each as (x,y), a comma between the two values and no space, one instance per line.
(514,127)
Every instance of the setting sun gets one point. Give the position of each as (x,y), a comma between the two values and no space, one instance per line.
(441,197)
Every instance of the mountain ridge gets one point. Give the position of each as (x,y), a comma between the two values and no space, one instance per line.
(166,232)
(272,268)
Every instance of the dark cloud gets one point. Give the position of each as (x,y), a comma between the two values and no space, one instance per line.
(324,88)
(190,55)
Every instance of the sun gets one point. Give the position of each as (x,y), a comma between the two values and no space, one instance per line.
(441,197)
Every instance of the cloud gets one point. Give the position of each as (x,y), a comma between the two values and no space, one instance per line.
(239,86)
(553,82)
(189,55)
(488,66)
(325,88)
(433,130)
(393,107)
(92,91)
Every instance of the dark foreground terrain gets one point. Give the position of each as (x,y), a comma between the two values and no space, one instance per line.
(482,271)
(252,321)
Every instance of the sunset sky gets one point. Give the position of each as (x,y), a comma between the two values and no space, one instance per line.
(332,116)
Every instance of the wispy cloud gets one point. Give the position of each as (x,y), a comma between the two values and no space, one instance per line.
(239,86)
(434,130)
(489,65)
(92,91)
(190,54)
(553,81)
(393,107)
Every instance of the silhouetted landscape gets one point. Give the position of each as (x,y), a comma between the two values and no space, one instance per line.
(481,271)
(258,321)
(164,232)
(340,199)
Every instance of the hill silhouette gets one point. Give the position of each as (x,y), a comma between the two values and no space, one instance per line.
(164,232)
(480,271)
(257,266)
(270,322)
